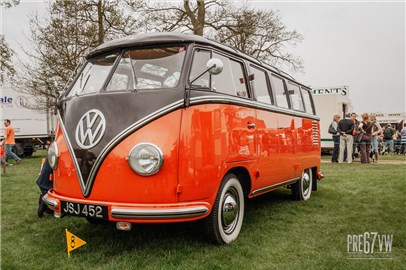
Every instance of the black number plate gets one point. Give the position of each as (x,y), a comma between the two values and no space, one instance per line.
(84,210)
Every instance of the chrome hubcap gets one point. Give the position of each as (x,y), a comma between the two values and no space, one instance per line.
(230,211)
(306,182)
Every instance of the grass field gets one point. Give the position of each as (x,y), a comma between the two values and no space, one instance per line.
(278,233)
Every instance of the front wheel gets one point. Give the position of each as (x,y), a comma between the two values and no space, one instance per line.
(302,189)
(223,225)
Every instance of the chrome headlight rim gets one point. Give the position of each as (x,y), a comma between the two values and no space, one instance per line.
(138,169)
(53,155)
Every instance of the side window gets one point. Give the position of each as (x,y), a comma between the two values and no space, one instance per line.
(295,97)
(231,81)
(200,59)
(261,85)
(307,101)
(279,88)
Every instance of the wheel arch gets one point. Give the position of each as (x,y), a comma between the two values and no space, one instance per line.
(243,177)
(314,180)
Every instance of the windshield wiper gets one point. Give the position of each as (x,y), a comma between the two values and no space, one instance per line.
(81,79)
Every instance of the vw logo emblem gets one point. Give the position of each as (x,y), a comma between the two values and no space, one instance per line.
(90,129)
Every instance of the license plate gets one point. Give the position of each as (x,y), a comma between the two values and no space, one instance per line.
(84,210)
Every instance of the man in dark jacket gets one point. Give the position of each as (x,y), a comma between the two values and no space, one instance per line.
(346,128)
(44,185)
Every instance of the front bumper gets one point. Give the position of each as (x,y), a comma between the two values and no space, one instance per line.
(139,213)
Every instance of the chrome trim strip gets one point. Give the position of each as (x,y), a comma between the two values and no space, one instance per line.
(72,153)
(269,188)
(159,213)
(250,103)
(50,202)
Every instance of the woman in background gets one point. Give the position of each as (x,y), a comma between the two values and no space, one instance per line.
(365,127)
(376,131)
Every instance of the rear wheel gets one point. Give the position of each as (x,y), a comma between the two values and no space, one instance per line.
(302,189)
(223,225)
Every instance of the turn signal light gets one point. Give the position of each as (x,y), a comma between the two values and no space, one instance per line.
(123,226)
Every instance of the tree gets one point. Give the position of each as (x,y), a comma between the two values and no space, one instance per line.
(259,33)
(6,53)
(61,38)
(9,3)
(6,66)
(71,29)
(165,16)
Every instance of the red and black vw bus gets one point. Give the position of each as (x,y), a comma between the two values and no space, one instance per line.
(171,127)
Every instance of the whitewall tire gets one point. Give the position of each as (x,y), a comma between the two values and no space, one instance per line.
(223,225)
(302,189)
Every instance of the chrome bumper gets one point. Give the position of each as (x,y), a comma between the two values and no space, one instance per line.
(128,212)
(50,202)
(186,212)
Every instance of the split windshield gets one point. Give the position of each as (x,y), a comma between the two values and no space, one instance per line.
(141,69)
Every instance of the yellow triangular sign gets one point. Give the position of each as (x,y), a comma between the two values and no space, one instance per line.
(73,242)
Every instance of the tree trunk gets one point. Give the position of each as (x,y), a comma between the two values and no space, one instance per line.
(100,22)
(201,14)
(197,22)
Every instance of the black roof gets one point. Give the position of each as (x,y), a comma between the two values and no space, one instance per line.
(172,37)
(159,38)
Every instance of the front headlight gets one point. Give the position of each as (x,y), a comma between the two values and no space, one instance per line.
(53,155)
(145,159)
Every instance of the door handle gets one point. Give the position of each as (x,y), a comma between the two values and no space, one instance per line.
(250,125)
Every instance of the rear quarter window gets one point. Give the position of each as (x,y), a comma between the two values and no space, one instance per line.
(280,94)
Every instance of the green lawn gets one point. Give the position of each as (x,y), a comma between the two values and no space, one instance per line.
(278,233)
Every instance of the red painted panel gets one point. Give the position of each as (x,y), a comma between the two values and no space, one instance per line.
(65,178)
(213,135)
(269,138)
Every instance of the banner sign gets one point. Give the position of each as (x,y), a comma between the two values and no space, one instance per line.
(340,90)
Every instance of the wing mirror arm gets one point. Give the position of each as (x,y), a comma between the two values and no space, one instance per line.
(214,66)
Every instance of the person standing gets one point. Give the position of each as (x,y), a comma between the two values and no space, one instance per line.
(2,157)
(388,133)
(44,183)
(10,141)
(345,128)
(365,127)
(376,132)
(355,132)
(403,140)
(336,137)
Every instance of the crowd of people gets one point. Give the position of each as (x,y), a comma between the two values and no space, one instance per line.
(366,137)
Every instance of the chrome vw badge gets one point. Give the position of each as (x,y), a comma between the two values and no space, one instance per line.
(90,129)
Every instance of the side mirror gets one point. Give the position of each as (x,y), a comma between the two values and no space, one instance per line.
(214,66)
(56,89)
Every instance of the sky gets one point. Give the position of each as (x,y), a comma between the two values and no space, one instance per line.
(360,44)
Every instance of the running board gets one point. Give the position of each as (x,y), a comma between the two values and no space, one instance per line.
(275,186)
